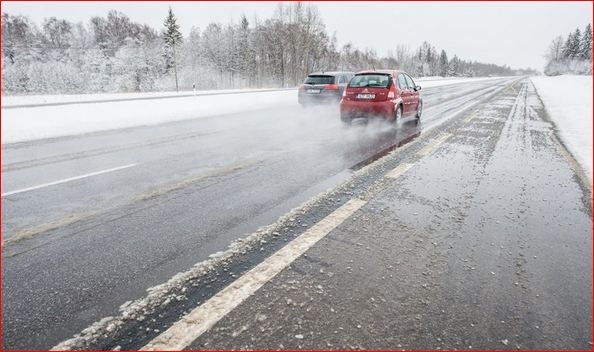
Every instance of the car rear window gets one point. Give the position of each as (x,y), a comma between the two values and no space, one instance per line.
(370,80)
(318,79)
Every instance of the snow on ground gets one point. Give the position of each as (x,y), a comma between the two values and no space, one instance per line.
(21,124)
(18,100)
(568,101)
(12,100)
(427,82)
(26,124)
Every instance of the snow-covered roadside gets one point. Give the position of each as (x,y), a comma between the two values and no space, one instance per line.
(568,101)
(26,124)
(17,100)
(428,82)
(32,123)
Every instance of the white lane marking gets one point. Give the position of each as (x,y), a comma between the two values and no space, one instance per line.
(431,147)
(399,170)
(67,180)
(469,118)
(205,316)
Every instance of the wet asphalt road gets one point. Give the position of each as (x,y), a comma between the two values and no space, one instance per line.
(74,252)
(492,251)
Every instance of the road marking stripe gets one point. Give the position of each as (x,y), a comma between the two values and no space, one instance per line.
(431,147)
(67,180)
(205,316)
(466,120)
(399,170)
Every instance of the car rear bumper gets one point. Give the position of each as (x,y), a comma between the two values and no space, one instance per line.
(354,108)
(321,98)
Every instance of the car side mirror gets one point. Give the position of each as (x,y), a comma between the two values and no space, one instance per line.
(417,88)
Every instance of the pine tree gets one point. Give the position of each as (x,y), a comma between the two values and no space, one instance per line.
(246,54)
(454,66)
(586,44)
(172,37)
(443,64)
(576,44)
(567,52)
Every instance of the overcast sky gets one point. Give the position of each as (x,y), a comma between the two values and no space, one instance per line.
(512,33)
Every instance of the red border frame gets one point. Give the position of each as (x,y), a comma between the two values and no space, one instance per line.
(313,1)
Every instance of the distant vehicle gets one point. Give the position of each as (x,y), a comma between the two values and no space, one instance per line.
(323,87)
(389,94)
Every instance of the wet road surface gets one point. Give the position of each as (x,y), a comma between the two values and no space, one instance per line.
(484,243)
(73,252)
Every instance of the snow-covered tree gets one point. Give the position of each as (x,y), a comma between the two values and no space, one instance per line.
(172,38)
(20,39)
(247,59)
(568,50)
(576,43)
(112,53)
(586,44)
(555,49)
(443,64)
(574,56)
(454,66)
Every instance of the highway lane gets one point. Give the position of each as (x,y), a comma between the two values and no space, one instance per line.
(78,247)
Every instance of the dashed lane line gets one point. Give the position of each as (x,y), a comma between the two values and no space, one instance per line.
(469,118)
(22,190)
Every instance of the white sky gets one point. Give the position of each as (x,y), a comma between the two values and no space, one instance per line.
(513,33)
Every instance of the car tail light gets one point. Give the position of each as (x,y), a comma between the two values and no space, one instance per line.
(331,87)
(391,95)
(344,93)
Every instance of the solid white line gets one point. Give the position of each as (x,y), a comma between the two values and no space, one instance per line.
(67,180)
(469,118)
(205,316)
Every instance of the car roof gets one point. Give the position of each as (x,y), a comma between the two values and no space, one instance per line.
(329,73)
(384,71)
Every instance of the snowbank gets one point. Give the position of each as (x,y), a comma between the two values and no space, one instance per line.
(11,101)
(428,82)
(568,101)
(25,124)
(18,100)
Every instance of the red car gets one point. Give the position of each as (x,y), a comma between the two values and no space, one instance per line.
(390,94)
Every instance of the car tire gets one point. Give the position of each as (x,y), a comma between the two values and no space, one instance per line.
(397,114)
(419,110)
(346,120)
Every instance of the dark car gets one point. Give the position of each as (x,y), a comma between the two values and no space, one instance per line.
(323,87)
(390,94)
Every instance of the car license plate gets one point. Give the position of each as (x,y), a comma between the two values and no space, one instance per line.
(365,96)
(313,91)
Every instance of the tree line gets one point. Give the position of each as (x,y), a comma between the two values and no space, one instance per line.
(570,55)
(115,54)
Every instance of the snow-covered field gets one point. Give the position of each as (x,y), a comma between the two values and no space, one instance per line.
(16,100)
(25,124)
(21,124)
(568,101)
